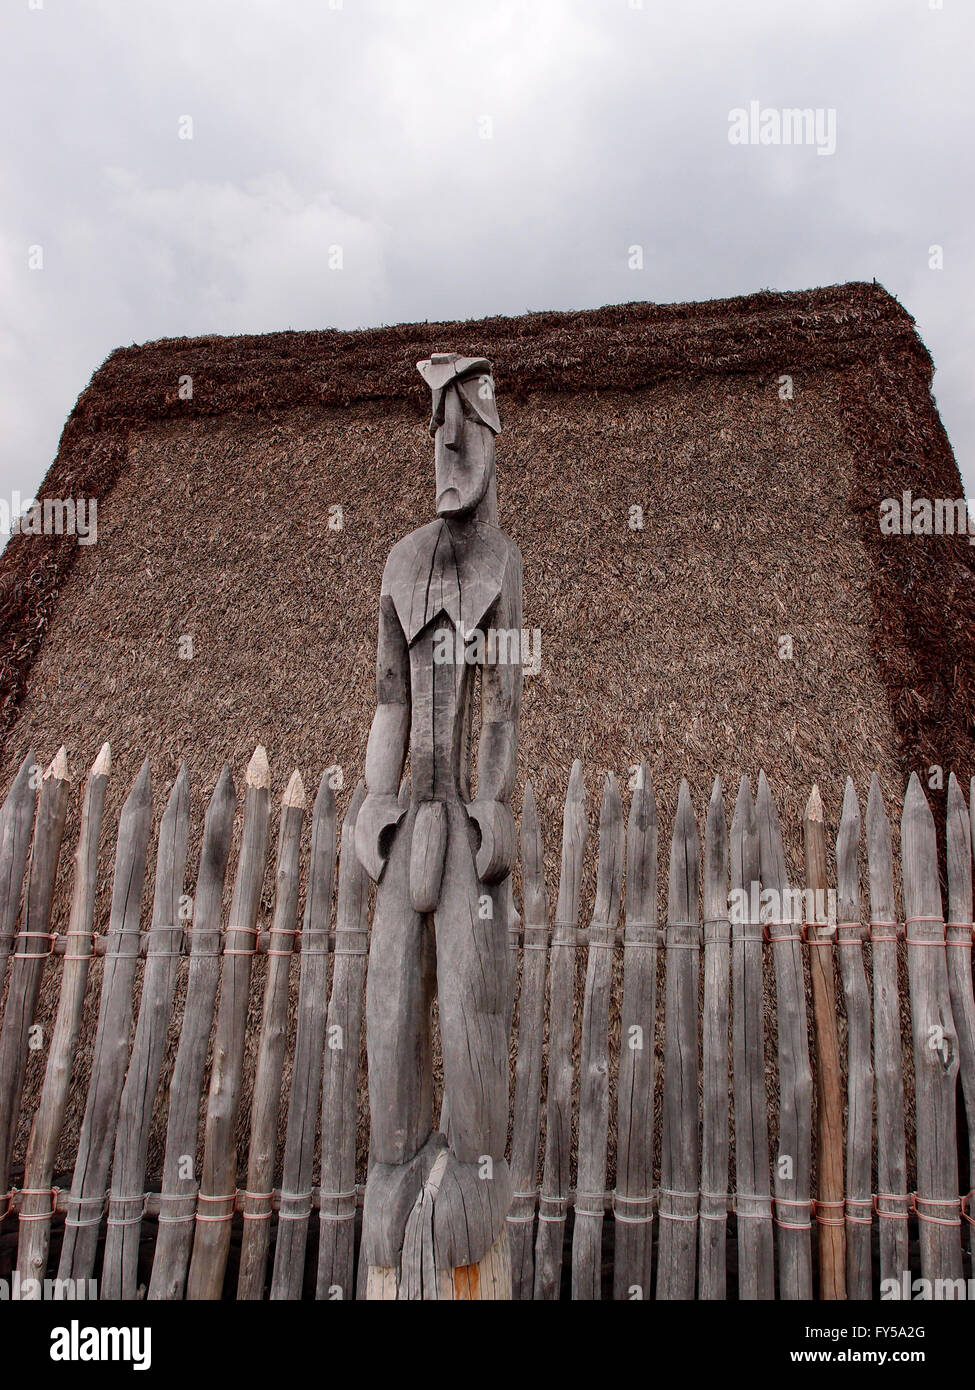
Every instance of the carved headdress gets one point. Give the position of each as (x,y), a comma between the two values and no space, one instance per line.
(471,376)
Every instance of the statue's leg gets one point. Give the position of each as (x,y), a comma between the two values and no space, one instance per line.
(399,992)
(472,985)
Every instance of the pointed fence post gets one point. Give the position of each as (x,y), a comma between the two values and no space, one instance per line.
(713,1234)
(958,946)
(217,1197)
(16,823)
(37,1196)
(587,1232)
(111,1050)
(177,1200)
(554,1198)
(525,1136)
(680,1155)
(935,1044)
(753,1191)
(633,1206)
(120,1265)
(794,1159)
(819,933)
(294,1212)
(892,1198)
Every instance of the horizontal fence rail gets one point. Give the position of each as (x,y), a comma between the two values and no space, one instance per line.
(648,1160)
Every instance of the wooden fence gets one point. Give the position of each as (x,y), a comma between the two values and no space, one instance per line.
(681,1221)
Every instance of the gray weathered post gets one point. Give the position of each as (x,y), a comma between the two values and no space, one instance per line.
(525,1137)
(935,1043)
(753,1193)
(16,823)
(294,1212)
(120,1264)
(794,1159)
(587,1232)
(633,1207)
(36,1200)
(554,1197)
(859,1091)
(177,1200)
(713,1234)
(680,1156)
(111,1050)
(892,1198)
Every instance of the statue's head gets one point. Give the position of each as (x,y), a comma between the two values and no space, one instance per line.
(463,424)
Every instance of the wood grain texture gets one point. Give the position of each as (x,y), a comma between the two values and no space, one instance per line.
(306,1081)
(958,950)
(859,1089)
(713,1226)
(935,1043)
(829,1069)
(680,1138)
(892,1199)
(633,1216)
(218,1183)
(587,1231)
(126,1200)
(553,1200)
(794,1159)
(753,1191)
(526,1118)
(111,1049)
(177,1214)
(36,1204)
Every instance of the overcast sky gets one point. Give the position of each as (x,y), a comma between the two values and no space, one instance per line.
(468,159)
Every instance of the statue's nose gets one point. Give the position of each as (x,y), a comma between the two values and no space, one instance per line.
(453,424)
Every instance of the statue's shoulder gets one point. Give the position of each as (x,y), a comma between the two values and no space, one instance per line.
(408,554)
(502,545)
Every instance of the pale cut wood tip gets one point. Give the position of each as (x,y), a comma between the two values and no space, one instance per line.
(717,791)
(258,771)
(294,792)
(814,806)
(954,789)
(528,799)
(58,768)
(102,765)
(851,807)
(358,797)
(577,783)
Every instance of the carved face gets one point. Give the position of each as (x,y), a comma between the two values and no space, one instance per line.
(463,454)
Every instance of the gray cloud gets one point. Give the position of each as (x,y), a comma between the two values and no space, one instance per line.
(362,127)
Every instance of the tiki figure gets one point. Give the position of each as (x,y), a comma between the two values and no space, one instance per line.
(450,606)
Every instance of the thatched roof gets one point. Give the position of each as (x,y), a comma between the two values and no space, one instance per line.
(760,521)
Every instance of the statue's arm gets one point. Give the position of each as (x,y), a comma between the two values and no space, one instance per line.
(386,750)
(497,749)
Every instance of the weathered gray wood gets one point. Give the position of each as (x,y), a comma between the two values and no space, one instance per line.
(525,1136)
(959,955)
(36,1198)
(679,1151)
(217,1195)
(830,1208)
(892,1199)
(256,1201)
(859,1092)
(753,1199)
(120,1265)
(633,1251)
(16,823)
(306,1082)
(554,1197)
(713,1235)
(340,1080)
(111,1049)
(32,948)
(587,1232)
(794,1159)
(177,1214)
(935,1043)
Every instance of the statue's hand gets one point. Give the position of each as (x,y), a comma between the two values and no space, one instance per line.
(496,852)
(374,826)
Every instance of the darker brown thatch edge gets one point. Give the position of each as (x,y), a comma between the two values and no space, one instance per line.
(857,328)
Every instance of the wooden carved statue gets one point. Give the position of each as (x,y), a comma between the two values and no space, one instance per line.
(450,607)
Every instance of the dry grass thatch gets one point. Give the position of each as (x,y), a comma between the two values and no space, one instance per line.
(760,520)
